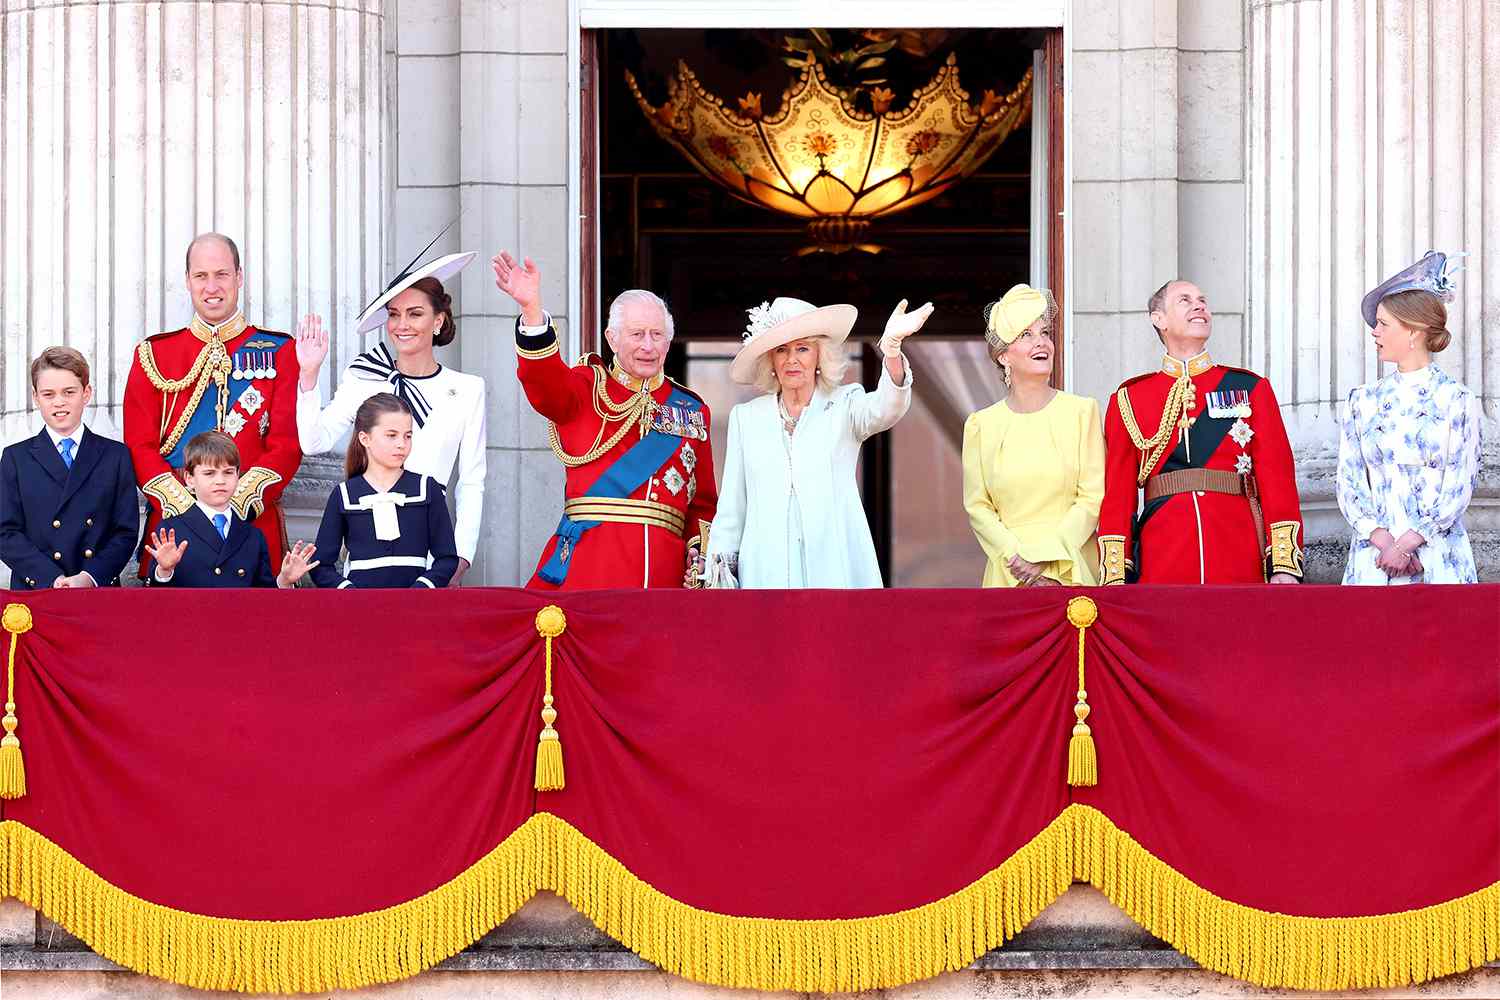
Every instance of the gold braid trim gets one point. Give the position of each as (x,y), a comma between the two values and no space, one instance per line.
(172,495)
(250,496)
(281,956)
(1284,551)
(636,411)
(1180,401)
(212,363)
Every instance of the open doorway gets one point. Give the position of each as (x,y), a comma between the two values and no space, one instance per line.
(665,225)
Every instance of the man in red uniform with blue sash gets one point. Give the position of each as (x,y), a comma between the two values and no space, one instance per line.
(218,374)
(1199,480)
(640,490)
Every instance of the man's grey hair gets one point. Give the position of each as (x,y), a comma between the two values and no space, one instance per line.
(617,308)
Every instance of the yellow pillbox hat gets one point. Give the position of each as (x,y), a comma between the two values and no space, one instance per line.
(1018,309)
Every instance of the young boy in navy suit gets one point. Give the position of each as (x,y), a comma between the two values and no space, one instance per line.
(217,548)
(68,513)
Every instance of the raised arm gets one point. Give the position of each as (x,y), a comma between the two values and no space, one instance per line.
(544,375)
(320,427)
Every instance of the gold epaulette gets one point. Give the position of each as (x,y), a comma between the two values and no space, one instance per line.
(250,496)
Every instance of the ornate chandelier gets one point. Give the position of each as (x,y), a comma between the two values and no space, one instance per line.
(821,159)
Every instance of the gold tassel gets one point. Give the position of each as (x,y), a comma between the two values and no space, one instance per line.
(16,619)
(1083,762)
(550,623)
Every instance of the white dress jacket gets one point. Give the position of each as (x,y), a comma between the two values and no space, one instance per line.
(452,432)
(814,535)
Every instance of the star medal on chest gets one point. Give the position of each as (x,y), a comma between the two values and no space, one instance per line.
(1227,403)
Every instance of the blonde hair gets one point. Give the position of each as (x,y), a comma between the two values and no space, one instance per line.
(1421,312)
(832,361)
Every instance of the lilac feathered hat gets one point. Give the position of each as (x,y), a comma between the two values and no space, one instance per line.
(1433,273)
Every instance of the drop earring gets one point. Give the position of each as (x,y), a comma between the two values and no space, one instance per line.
(1005,375)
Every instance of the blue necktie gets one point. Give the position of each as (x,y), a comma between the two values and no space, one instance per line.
(66,447)
(221,522)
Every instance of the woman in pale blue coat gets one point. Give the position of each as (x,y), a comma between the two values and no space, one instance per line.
(789,511)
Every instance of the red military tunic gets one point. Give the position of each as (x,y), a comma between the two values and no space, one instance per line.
(1205,534)
(647,547)
(236,379)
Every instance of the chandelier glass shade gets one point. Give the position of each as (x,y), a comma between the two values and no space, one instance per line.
(820,159)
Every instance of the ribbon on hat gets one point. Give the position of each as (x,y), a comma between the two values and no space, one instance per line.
(384,507)
(1017,309)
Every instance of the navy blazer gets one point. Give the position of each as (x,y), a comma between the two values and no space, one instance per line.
(56,521)
(241,560)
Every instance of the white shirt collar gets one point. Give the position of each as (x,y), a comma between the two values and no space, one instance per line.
(57,439)
(209,512)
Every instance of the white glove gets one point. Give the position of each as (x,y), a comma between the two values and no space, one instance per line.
(901,325)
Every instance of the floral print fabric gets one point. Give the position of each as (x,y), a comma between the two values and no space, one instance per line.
(1408,458)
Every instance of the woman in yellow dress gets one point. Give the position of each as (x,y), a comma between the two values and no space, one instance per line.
(1033,462)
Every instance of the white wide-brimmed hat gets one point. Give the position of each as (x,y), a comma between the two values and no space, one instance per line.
(773,324)
(441,268)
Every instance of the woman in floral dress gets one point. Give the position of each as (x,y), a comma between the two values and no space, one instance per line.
(1409,450)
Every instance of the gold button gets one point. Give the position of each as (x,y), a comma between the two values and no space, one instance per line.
(57,524)
(241,572)
(88,522)
(217,571)
(57,556)
(88,553)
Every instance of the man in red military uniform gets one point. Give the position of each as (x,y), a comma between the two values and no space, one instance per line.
(640,487)
(217,374)
(1205,447)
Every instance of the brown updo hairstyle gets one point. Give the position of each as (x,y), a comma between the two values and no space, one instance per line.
(357,460)
(442,305)
(1422,312)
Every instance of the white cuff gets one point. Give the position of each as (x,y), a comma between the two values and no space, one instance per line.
(537,331)
(156,575)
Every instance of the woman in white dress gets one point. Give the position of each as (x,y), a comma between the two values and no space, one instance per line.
(789,510)
(1409,449)
(448,406)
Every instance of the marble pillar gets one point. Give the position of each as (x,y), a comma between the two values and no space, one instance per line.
(126,128)
(1372,131)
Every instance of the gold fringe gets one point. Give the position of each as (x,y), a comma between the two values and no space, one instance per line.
(550,623)
(1268,949)
(1276,949)
(1083,762)
(16,620)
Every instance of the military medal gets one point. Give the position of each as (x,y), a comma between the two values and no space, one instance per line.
(1230,403)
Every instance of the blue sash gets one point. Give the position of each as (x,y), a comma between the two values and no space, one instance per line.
(206,416)
(620,480)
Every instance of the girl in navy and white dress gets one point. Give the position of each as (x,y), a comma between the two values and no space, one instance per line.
(394,523)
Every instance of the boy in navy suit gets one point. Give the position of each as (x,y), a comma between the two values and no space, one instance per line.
(218,548)
(68,513)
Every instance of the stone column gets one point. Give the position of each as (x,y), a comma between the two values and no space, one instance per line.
(1372,132)
(128,128)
